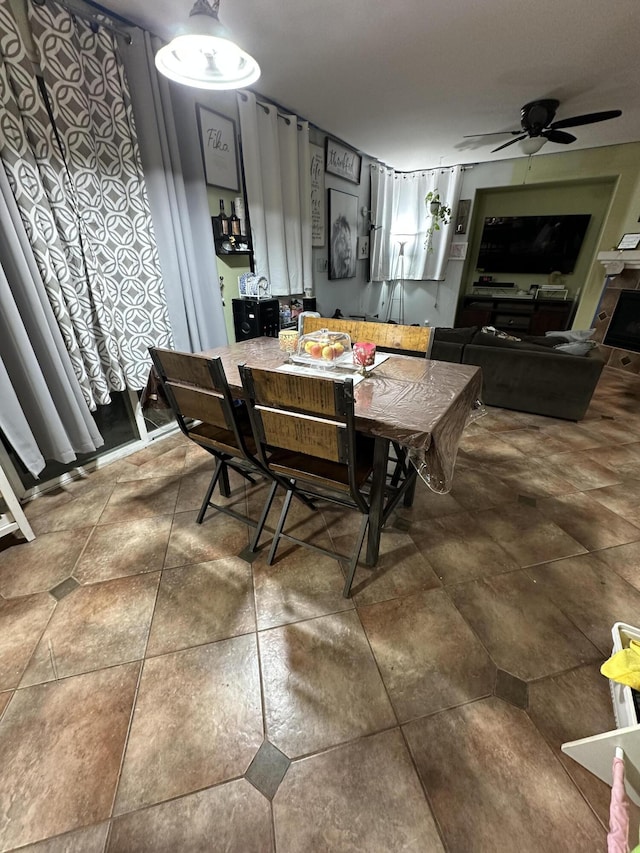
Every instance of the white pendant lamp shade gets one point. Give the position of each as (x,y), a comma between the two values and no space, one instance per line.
(533,144)
(204,56)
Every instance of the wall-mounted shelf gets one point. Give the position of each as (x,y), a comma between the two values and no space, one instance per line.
(229,246)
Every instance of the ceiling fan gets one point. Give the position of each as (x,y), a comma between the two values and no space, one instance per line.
(536,120)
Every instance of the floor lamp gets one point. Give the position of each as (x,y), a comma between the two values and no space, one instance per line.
(398,283)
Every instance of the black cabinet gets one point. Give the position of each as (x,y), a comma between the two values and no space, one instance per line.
(256,318)
(516,314)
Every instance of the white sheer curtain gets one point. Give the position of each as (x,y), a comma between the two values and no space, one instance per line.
(399,214)
(276,159)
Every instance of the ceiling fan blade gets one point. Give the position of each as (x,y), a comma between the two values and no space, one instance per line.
(495,133)
(559,136)
(510,142)
(589,118)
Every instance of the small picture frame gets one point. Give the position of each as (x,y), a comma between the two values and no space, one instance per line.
(342,161)
(363,248)
(629,241)
(458,251)
(219,148)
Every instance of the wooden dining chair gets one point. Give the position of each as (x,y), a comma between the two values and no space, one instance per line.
(199,395)
(388,337)
(305,435)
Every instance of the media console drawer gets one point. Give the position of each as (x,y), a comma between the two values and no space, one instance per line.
(530,316)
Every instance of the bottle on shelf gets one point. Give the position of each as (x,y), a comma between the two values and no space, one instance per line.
(234,221)
(223,221)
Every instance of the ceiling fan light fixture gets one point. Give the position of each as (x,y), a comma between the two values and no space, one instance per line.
(204,56)
(533,144)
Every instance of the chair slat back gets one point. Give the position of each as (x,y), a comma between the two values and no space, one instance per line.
(300,434)
(303,414)
(293,391)
(191,386)
(387,336)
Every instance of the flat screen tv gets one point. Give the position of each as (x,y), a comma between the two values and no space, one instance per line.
(532,244)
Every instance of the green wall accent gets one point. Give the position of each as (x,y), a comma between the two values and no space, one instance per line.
(589,196)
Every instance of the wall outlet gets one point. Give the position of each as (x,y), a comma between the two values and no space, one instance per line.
(321,264)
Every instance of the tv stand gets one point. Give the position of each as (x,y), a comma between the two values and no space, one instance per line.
(516,313)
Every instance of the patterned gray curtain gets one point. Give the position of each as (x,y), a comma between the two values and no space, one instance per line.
(81,195)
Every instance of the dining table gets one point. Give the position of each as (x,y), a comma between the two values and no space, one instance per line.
(420,404)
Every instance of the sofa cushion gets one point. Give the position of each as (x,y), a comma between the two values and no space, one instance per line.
(455,336)
(486,340)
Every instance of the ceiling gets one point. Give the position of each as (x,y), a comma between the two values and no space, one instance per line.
(405,80)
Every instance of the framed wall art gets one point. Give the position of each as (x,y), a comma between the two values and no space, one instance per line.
(343,225)
(629,241)
(342,161)
(219,148)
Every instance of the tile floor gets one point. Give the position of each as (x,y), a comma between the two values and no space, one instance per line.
(157,693)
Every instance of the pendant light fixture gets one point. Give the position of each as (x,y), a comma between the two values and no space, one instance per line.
(203,55)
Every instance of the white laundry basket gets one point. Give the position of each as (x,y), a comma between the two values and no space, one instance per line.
(623,707)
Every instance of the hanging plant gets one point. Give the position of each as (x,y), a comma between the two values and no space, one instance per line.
(440,215)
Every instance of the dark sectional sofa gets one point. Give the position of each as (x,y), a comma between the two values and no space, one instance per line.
(528,375)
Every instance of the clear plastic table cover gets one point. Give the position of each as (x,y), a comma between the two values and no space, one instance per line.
(421,404)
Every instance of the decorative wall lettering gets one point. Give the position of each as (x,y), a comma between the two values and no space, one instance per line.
(317,196)
(218,144)
(342,161)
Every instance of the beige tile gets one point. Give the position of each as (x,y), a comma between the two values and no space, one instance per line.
(552,707)
(40,565)
(588,522)
(623,500)
(202,603)
(494,784)
(590,594)
(233,817)
(125,548)
(303,585)
(5,698)
(193,488)
(523,631)
(583,469)
(489,450)
(532,442)
(169,464)
(477,489)
(321,684)
(197,722)
(610,431)
(459,549)
(624,560)
(89,840)
(217,537)
(83,511)
(60,750)
(401,570)
(623,459)
(428,656)
(141,499)
(428,504)
(364,796)
(22,621)
(524,533)
(95,626)
(573,436)
(536,476)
